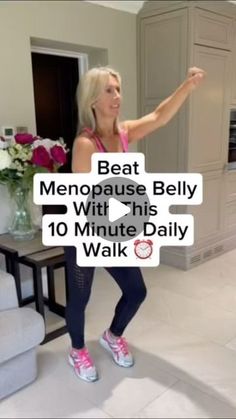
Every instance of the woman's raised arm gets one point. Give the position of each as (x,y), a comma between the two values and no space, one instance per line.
(139,128)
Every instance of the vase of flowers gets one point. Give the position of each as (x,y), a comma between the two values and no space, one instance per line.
(20,159)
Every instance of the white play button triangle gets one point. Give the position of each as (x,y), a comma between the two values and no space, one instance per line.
(116,210)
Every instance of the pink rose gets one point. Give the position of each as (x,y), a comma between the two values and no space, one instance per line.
(42,158)
(24,138)
(58,154)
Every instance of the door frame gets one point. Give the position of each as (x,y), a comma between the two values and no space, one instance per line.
(81,57)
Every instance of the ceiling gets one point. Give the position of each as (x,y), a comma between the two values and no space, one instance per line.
(127,6)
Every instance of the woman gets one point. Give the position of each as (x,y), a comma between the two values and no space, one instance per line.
(99,101)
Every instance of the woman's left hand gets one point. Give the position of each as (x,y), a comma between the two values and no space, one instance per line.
(195,77)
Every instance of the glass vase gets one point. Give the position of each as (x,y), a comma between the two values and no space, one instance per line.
(21,227)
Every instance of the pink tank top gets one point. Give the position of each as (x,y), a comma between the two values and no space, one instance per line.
(100,146)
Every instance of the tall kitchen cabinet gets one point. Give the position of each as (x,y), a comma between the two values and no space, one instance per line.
(173,36)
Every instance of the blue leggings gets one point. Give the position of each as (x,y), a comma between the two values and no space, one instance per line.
(80,281)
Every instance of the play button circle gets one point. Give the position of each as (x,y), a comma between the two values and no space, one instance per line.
(117,210)
(119,217)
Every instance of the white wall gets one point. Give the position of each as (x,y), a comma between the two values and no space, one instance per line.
(71,23)
(75,25)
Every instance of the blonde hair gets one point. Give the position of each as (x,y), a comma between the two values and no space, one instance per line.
(91,85)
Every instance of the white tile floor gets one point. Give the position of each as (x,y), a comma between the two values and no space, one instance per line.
(183,339)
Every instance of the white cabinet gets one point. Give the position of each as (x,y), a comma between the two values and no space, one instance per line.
(230,211)
(159,77)
(172,38)
(212,29)
(208,217)
(209,122)
(233,69)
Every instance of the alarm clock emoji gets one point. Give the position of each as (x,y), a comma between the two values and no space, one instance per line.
(143,248)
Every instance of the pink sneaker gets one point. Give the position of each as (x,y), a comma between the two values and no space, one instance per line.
(118,348)
(83,364)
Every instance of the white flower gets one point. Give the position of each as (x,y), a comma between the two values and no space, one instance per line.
(17,165)
(46,142)
(4,144)
(5,159)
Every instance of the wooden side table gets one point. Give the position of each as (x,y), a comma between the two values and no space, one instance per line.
(13,250)
(51,259)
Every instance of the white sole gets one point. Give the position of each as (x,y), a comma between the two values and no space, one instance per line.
(71,362)
(105,345)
